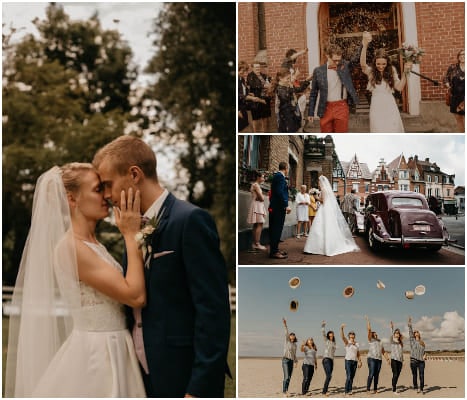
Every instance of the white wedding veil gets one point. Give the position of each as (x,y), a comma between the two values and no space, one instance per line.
(333,209)
(46,289)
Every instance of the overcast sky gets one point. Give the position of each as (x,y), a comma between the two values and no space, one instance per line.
(264,295)
(448,151)
(135,21)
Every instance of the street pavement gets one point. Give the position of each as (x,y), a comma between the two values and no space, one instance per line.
(391,256)
(456,228)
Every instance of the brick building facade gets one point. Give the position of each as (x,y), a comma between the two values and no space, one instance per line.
(267,30)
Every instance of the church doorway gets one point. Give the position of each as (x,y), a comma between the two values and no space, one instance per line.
(344,23)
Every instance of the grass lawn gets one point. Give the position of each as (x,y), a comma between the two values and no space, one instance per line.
(230,384)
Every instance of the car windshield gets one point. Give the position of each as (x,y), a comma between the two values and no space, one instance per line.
(406,202)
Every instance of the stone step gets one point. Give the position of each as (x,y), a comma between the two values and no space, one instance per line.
(360,123)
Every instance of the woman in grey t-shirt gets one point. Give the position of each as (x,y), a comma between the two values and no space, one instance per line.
(309,363)
(289,358)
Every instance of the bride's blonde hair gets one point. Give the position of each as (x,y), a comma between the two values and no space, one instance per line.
(72,174)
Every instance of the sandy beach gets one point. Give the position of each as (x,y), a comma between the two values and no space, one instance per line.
(262,377)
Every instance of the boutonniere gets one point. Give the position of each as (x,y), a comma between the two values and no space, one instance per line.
(144,236)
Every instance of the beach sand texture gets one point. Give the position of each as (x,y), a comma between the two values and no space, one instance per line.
(262,377)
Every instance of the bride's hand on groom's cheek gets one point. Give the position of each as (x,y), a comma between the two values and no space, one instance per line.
(128,215)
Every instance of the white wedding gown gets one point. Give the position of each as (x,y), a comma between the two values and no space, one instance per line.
(384,113)
(98,358)
(330,234)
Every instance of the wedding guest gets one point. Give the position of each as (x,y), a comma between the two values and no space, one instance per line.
(375,355)
(397,356)
(328,356)
(290,118)
(352,359)
(289,359)
(291,58)
(348,207)
(278,208)
(455,81)
(417,357)
(257,211)
(309,363)
(259,85)
(382,81)
(303,201)
(333,82)
(312,207)
(245,98)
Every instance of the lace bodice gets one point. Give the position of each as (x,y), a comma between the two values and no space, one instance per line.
(99,312)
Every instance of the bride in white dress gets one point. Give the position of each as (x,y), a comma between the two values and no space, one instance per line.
(330,234)
(68,337)
(382,80)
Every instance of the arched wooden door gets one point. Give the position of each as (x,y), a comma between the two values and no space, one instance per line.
(344,23)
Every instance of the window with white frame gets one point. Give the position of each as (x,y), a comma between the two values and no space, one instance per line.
(428,178)
(334,186)
(416,189)
(436,178)
(355,187)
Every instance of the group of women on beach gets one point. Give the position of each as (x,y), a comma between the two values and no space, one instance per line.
(353,358)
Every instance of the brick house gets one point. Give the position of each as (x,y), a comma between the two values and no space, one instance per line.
(357,176)
(437,183)
(267,30)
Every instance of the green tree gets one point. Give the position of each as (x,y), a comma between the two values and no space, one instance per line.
(195,69)
(54,112)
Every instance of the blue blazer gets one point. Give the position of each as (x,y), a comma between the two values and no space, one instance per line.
(186,321)
(320,84)
(279,193)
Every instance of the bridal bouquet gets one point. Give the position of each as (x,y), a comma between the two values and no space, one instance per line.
(411,53)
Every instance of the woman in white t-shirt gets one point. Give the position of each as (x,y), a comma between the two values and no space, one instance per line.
(352,359)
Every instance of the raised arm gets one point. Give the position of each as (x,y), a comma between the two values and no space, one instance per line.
(368,328)
(343,335)
(99,274)
(286,329)
(400,84)
(365,41)
(323,330)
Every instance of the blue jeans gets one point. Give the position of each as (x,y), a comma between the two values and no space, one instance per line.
(328,366)
(287,368)
(308,371)
(420,365)
(396,367)
(374,366)
(350,369)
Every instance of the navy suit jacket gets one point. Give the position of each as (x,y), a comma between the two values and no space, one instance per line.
(279,193)
(320,84)
(186,321)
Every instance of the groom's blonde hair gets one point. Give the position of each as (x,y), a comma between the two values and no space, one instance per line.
(127,151)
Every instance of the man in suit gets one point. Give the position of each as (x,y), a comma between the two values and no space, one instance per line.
(333,82)
(278,208)
(182,334)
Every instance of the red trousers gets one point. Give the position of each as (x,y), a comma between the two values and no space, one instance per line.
(335,118)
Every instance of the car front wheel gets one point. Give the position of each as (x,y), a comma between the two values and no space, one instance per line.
(372,242)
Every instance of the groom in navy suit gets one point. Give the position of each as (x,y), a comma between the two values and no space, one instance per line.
(333,82)
(278,208)
(182,334)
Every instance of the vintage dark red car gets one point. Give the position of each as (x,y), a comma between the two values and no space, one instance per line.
(402,219)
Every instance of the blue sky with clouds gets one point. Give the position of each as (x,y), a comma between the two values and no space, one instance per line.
(263,297)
